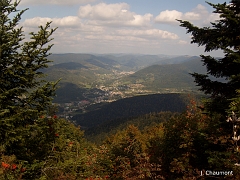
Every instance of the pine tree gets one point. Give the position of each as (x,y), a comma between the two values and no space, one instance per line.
(224,34)
(24,95)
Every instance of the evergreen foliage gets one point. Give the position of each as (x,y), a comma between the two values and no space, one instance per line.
(23,96)
(223,35)
(36,144)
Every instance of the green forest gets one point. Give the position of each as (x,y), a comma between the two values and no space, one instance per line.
(199,141)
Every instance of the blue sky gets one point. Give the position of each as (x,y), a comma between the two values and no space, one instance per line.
(113,26)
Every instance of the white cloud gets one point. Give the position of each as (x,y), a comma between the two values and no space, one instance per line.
(149,34)
(36,21)
(113,15)
(192,16)
(200,9)
(106,12)
(55,2)
(168,17)
(198,15)
(140,20)
(205,16)
(69,21)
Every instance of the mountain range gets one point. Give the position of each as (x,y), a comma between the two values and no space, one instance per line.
(86,69)
(147,74)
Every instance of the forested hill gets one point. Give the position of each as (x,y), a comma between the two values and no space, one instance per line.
(130,107)
(101,132)
(159,77)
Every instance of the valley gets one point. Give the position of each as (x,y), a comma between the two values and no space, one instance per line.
(89,81)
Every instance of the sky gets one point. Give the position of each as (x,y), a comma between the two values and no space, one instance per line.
(114,26)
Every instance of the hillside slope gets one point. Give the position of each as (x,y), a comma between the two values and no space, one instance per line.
(130,107)
(158,77)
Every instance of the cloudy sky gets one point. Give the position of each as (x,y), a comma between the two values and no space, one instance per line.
(113,26)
